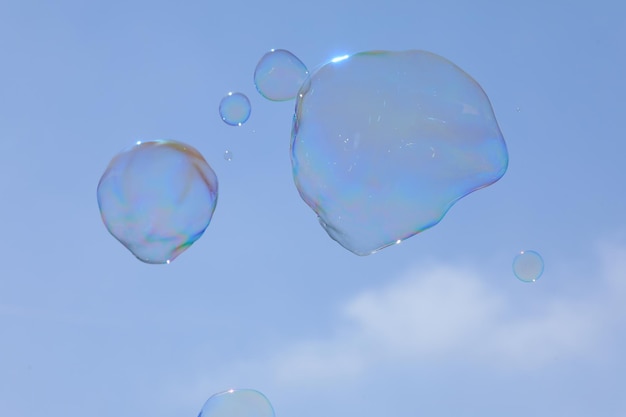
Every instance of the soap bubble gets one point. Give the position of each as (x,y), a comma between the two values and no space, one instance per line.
(528,266)
(228,155)
(279,75)
(384,143)
(157,198)
(237,403)
(235,109)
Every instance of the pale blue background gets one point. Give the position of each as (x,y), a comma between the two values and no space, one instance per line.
(437,326)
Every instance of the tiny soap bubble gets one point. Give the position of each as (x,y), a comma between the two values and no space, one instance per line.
(528,266)
(235,109)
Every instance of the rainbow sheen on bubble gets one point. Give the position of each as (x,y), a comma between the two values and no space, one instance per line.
(384,143)
(528,266)
(279,74)
(235,109)
(157,198)
(237,403)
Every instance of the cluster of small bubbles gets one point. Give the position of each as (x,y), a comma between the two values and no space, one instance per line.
(528,266)
(235,109)
(157,198)
(237,403)
(384,143)
(279,75)
(228,155)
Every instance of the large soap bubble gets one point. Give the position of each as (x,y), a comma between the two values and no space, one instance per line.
(237,403)
(384,143)
(157,198)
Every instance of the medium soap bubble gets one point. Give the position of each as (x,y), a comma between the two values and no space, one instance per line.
(237,403)
(384,143)
(235,109)
(228,155)
(157,198)
(279,75)
(528,266)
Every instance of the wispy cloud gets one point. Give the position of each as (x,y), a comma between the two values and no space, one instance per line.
(450,318)
(447,313)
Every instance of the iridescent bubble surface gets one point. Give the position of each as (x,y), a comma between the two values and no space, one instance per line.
(157,198)
(384,143)
(235,109)
(237,403)
(279,75)
(528,266)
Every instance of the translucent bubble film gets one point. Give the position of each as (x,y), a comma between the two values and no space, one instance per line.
(237,403)
(157,198)
(384,143)
(279,75)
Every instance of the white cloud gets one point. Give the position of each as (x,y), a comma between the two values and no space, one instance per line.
(447,318)
(450,313)
(423,314)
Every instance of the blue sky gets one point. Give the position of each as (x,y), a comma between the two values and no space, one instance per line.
(436,326)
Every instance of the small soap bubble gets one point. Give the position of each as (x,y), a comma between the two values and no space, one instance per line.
(517,109)
(237,403)
(528,266)
(157,198)
(279,75)
(235,109)
(228,155)
(384,143)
